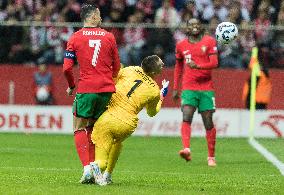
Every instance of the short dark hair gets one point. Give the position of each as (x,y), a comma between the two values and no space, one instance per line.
(149,64)
(86,10)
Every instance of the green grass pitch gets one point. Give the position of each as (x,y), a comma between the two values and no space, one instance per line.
(48,164)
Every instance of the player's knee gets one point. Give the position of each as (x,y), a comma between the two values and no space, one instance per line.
(187,113)
(187,117)
(208,125)
(91,123)
(79,123)
(207,119)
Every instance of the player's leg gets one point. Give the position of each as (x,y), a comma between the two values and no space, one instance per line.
(120,131)
(89,128)
(103,144)
(107,131)
(189,103)
(103,139)
(187,112)
(82,146)
(83,111)
(207,108)
(113,157)
(210,136)
(98,105)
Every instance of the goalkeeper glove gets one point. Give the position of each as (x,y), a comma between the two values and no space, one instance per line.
(164,90)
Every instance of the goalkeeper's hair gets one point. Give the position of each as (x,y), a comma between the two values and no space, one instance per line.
(150,64)
(87,10)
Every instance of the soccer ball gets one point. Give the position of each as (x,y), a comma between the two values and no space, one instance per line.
(42,94)
(226,32)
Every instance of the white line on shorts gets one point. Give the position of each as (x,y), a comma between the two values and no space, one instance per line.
(268,155)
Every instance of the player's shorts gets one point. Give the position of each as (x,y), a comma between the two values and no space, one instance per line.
(109,129)
(90,105)
(203,100)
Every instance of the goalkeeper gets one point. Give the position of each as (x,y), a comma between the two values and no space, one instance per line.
(135,89)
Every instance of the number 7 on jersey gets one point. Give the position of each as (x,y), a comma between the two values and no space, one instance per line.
(97,45)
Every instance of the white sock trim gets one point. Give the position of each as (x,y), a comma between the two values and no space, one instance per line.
(87,168)
(188,149)
(92,163)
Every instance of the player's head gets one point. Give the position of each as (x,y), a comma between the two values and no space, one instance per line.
(152,65)
(91,15)
(194,27)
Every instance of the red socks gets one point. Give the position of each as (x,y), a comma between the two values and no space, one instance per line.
(210,136)
(82,146)
(211,141)
(91,145)
(185,134)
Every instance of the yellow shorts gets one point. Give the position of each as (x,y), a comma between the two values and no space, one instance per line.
(108,130)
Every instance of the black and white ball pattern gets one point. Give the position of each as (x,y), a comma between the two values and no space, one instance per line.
(226,32)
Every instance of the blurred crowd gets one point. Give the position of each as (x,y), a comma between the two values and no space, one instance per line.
(45,44)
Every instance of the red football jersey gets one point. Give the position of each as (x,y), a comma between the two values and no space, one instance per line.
(195,79)
(96,52)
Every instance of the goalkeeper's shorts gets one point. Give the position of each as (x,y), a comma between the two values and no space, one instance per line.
(203,100)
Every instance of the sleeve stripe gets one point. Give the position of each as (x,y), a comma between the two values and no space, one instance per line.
(70,55)
(210,54)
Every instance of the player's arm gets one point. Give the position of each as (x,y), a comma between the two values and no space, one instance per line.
(116,61)
(69,60)
(154,106)
(177,73)
(213,57)
(213,63)
(178,69)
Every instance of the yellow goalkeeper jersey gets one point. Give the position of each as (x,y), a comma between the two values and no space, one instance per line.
(134,91)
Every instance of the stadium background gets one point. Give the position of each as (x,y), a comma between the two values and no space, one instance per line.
(33,32)
(36,32)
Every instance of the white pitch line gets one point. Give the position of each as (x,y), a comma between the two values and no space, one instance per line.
(268,155)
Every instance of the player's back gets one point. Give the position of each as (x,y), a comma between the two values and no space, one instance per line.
(96,52)
(134,90)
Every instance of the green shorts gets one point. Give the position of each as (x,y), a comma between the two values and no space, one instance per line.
(203,100)
(90,105)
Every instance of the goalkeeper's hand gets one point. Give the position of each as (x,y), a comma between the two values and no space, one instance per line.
(164,90)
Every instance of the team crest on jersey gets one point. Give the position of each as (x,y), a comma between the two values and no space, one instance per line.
(203,48)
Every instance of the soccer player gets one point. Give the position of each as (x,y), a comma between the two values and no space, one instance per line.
(96,51)
(135,89)
(196,56)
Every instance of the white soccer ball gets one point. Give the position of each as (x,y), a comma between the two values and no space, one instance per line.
(226,32)
(42,94)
